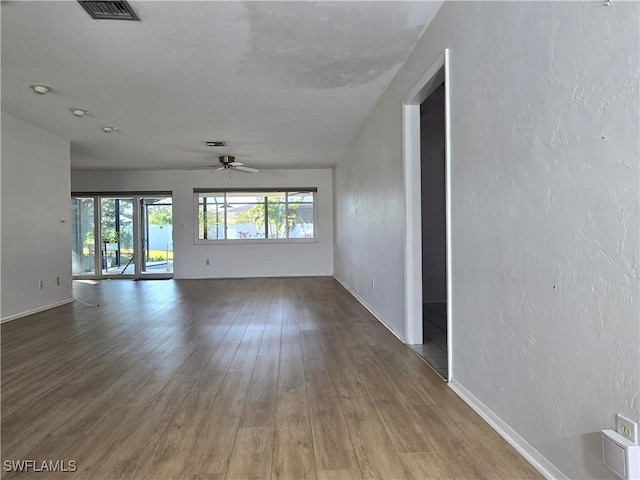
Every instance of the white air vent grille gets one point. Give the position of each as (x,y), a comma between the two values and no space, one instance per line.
(114,10)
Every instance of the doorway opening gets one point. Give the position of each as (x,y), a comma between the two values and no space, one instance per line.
(122,236)
(434,237)
(426,156)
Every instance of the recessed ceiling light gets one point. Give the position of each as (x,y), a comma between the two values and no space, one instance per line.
(107,128)
(216,143)
(79,112)
(40,89)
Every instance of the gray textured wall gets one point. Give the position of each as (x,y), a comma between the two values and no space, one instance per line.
(545,232)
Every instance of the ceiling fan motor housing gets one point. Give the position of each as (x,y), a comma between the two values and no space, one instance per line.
(226,160)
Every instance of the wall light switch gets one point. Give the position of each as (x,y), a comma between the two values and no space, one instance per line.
(621,455)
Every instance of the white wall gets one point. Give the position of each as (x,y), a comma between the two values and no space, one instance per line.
(35,202)
(545,176)
(228,260)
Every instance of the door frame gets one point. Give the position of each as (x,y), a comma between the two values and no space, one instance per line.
(135,240)
(437,73)
(144,238)
(137,236)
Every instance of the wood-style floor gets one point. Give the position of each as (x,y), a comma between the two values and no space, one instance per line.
(245,378)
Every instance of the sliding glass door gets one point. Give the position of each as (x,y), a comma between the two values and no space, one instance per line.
(156,236)
(122,236)
(83,236)
(117,237)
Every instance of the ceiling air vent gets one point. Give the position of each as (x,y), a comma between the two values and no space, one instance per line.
(116,10)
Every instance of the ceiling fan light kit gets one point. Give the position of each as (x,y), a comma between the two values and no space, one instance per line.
(228,160)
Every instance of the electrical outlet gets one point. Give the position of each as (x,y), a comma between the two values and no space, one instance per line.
(627,428)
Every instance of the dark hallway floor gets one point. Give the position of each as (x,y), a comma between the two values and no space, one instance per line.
(434,335)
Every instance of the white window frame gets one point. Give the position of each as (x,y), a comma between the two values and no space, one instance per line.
(235,241)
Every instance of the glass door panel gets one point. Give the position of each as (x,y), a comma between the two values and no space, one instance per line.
(117,237)
(128,236)
(156,236)
(83,236)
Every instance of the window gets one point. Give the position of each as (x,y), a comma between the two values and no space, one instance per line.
(255,215)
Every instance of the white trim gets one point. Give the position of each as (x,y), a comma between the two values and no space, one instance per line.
(36,310)
(437,73)
(413,222)
(524,448)
(447,166)
(371,310)
(97,235)
(257,275)
(137,234)
(255,241)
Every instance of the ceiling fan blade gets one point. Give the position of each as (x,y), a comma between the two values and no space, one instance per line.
(235,164)
(246,169)
(217,169)
(208,167)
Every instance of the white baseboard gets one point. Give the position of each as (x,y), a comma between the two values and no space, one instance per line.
(372,310)
(258,275)
(535,458)
(36,310)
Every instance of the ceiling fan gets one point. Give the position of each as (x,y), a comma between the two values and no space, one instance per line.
(228,162)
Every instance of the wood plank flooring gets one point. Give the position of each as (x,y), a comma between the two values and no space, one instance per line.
(283,378)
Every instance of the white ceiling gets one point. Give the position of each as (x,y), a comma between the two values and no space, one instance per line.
(286,84)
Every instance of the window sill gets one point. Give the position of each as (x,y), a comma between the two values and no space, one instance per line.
(261,241)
